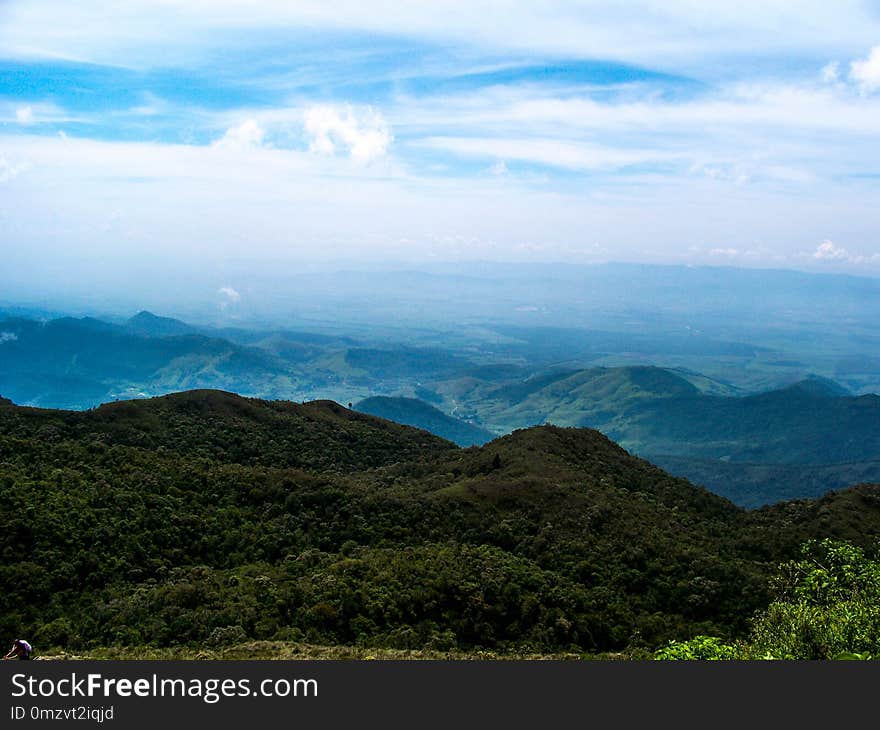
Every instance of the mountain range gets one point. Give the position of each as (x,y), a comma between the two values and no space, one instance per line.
(800,439)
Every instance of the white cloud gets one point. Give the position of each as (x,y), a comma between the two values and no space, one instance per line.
(247,135)
(8,337)
(866,72)
(363,134)
(24,115)
(831,252)
(231,294)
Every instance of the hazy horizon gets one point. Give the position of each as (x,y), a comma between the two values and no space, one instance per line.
(252,295)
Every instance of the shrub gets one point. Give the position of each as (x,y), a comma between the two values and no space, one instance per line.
(702,648)
(227,636)
(827,606)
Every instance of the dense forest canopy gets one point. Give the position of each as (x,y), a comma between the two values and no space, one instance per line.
(205,517)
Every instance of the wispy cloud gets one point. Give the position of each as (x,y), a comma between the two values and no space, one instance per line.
(283,129)
(187,204)
(729,107)
(672,32)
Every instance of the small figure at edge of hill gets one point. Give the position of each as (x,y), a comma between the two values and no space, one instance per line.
(20,650)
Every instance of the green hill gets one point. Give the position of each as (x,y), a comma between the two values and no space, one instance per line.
(600,397)
(417,413)
(754,449)
(205,519)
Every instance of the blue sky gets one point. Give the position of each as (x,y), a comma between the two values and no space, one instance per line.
(201,133)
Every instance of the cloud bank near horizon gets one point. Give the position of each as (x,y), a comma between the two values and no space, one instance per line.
(204,133)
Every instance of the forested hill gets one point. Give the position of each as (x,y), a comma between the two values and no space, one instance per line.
(798,441)
(229,428)
(203,518)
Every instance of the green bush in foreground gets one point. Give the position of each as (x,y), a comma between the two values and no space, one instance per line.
(700,647)
(827,606)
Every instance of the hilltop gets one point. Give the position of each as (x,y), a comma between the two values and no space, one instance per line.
(151,325)
(228,428)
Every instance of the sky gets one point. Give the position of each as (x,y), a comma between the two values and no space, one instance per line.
(139,138)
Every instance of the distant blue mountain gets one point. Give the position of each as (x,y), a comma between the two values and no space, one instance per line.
(147,323)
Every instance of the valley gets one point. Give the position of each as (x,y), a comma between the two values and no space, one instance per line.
(755,416)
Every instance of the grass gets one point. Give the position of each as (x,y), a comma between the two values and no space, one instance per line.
(283,650)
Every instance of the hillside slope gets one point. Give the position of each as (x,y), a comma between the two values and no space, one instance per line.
(204,518)
(417,413)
